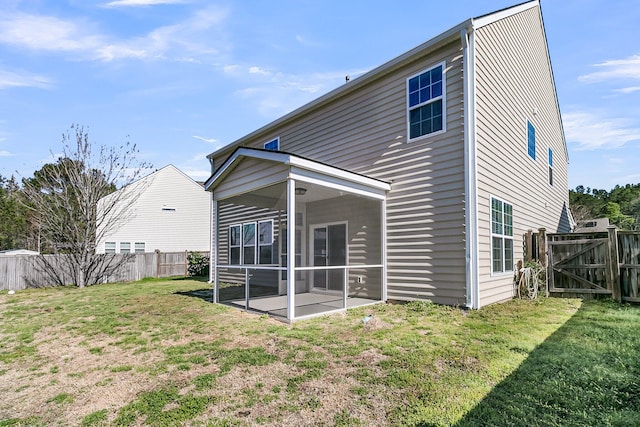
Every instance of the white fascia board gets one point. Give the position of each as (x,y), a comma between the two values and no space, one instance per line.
(232,161)
(336,183)
(504,13)
(340,174)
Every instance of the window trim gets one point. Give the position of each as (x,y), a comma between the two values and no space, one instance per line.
(257,245)
(239,245)
(276,140)
(110,250)
(260,245)
(506,269)
(531,126)
(442,97)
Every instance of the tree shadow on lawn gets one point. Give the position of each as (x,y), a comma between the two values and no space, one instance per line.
(587,373)
(227,292)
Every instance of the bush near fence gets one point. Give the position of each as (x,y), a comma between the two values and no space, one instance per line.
(17,272)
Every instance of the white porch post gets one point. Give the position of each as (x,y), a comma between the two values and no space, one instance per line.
(291,248)
(383,243)
(213,255)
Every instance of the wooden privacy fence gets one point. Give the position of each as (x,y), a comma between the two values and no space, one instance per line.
(595,263)
(17,272)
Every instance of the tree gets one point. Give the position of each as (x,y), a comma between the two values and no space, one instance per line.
(63,197)
(14,228)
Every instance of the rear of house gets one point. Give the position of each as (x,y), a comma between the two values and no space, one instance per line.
(425,172)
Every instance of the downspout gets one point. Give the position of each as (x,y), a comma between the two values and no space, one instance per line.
(470,170)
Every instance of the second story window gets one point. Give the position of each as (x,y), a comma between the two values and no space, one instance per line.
(426,99)
(273,145)
(550,166)
(531,140)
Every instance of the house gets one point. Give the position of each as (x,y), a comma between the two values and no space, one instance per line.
(18,252)
(169,212)
(415,181)
(596,225)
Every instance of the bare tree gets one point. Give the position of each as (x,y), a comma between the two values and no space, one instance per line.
(69,200)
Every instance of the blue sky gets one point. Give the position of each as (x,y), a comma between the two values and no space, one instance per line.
(181,78)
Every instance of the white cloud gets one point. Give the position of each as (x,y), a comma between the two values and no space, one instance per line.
(258,70)
(178,42)
(209,140)
(196,174)
(4,153)
(22,79)
(306,42)
(591,131)
(138,3)
(627,90)
(628,68)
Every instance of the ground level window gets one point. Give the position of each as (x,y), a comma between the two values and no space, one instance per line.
(139,247)
(265,242)
(501,236)
(125,247)
(109,247)
(234,245)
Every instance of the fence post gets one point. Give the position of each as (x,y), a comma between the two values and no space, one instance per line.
(157,263)
(529,246)
(542,257)
(542,246)
(613,264)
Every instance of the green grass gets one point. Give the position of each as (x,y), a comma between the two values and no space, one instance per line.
(549,362)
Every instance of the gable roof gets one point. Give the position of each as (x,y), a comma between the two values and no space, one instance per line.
(303,165)
(389,67)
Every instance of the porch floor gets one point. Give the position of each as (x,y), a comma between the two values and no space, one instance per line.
(307,304)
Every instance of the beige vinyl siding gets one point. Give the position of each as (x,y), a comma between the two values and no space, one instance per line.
(365,131)
(185,228)
(246,173)
(514,84)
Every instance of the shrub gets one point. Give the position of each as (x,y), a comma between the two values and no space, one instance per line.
(198,264)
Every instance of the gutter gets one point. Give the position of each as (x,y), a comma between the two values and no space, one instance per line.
(472,278)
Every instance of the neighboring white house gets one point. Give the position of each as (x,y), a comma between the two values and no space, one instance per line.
(18,252)
(416,180)
(171,214)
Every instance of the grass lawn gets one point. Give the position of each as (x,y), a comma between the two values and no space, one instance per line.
(146,353)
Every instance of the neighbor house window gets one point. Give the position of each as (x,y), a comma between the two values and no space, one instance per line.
(273,145)
(265,242)
(426,94)
(550,166)
(125,247)
(234,244)
(139,247)
(531,140)
(501,236)
(109,247)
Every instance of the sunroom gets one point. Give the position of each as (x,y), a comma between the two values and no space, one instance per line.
(295,238)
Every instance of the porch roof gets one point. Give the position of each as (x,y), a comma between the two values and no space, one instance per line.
(303,169)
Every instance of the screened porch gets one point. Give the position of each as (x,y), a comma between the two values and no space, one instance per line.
(295,238)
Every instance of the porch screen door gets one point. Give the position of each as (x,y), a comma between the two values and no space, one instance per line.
(329,249)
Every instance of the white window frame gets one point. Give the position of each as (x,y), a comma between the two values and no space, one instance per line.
(503,236)
(124,245)
(261,243)
(239,245)
(254,245)
(277,141)
(109,247)
(442,97)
